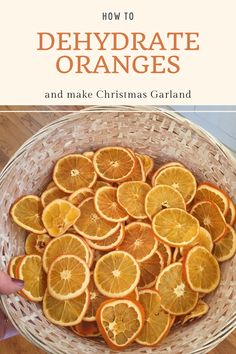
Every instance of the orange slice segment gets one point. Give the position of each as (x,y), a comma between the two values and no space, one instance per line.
(157,321)
(80,195)
(65,244)
(179,178)
(86,329)
(150,269)
(230,217)
(204,239)
(175,227)
(114,164)
(120,321)
(208,192)
(166,253)
(177,256)
(147,162)
(201,270)
(131,196)
(200,310)
(138,173)
(107,205)
(225,248)
(59,216)
(91,225)
(110,242)
(35,244)
(35,282)
(139,241)
(116,274)
(74,171)
(51,194)
(96,298)
(177,298)
(13,264)
(161,197)
(26,212)
(68,277)
(211,218)
(169,164)
(65,312)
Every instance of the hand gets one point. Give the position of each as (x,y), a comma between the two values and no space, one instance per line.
(8,286)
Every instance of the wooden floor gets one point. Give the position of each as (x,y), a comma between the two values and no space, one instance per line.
(15,128)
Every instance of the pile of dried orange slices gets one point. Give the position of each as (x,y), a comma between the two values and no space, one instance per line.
(119,250)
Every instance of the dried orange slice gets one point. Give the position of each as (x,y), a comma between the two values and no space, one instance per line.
(201,270)
(131,196)
(68,277)
(110,242)
(211,218)
(98,184)
(177,255)
(150,269)
(89,154)
(116,274)
(177,298)
(74,171)
(157,321)
(51,194)
(166,165)
(120,321)
(179,178)
(35,244)
(59,216)
(200,310)
(30,270)
(26,212)
(147,162)
(50,185)
(140,241)
(204,239)
(80,195)
(175,226)
(65,312)
(96,298)
(134,295)
(208,192)
(114,164)
(65,244)
(13,264)
(161,197)
(225,248)
(91,225)
(107,205)
(230,217)
(138,173)
(86,329)
(165,251)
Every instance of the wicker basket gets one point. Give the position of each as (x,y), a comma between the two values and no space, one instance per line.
(165,137)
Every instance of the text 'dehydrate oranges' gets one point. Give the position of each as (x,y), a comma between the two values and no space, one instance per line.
(121,248)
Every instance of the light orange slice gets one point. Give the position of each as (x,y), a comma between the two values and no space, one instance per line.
(161,197)
(59,216)
(140,241)
(89,155)
(177,256)
(65,244)
(68,277)
(211,218)
(179,178)
(109,243)
(116,274)
(166,165)
(148,163)
(30,270)
(50,185)
(208,192)
(35,244)
(225,248)
(177,298)
(65,312)
(91,225)
(13,264)
(204,239)
(230,217)
(175,227)
(86,329)
(114,164)
(138,173)
(74,171)
(165,251)
(131,196)
(26,212)
(107,206)
(200,310)
(51,194)
(120,321)
(149,270)
(96,298)
(157,321)
(80,195)
(201,270)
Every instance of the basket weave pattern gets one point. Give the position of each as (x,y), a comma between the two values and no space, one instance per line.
(158,134)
